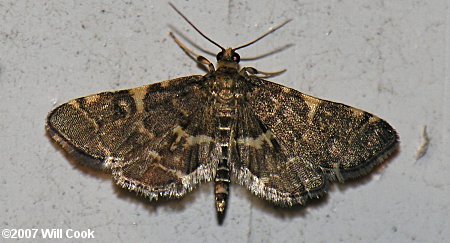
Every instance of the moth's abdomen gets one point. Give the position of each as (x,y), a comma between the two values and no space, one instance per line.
(226,117)
(222,183)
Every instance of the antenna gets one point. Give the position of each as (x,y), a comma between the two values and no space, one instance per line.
(266,34)
(187,20)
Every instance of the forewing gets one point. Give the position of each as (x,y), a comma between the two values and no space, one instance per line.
(157,139)
(318,141)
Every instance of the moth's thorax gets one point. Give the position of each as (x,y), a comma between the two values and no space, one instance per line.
(227,65)
(225,84)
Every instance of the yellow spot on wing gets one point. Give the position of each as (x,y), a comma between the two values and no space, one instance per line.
(91,99)
(165,84)
(75,104)
(357,112)
(179,132)
(154,155)
(312,104)
(373,119)
(138,95)
(190,140)
(177,173)
(257,142)
(286,90)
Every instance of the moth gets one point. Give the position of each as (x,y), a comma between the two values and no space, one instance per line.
(162,140)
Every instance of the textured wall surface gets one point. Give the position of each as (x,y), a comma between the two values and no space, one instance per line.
(390,58)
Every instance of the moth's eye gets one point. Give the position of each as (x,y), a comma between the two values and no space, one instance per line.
(236,58)
(219,56)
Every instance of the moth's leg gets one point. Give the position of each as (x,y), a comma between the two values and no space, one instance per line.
(198,58)
(254,72)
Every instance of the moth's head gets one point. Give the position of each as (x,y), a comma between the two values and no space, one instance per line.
(228,55)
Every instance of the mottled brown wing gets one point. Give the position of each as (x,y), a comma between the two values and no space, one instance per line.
(263,164)
(298,143)
(156,139)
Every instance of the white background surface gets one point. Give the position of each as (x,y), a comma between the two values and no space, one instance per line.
(390,58)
